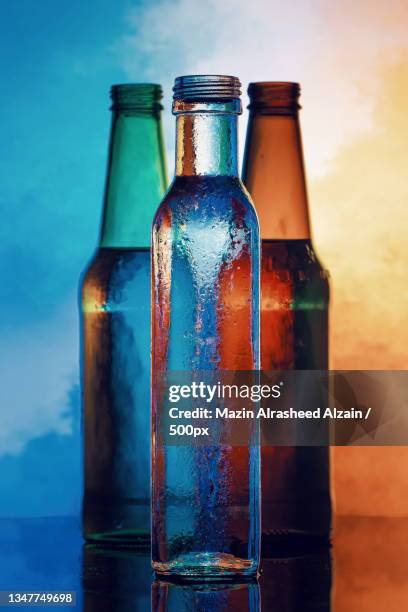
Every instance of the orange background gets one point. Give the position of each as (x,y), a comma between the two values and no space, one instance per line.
(360,217)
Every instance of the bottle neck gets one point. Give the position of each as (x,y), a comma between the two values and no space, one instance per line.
(273,173)
(206,144)
(136,179)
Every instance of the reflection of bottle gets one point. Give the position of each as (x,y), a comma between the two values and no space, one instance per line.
(115,580)
(205,597)
(116,322)
(205,500)
(294,302)
(297,583)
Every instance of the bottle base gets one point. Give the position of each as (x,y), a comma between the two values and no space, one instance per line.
(116,521)
(207,566)
(120,539)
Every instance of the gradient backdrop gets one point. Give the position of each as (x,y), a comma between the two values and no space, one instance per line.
(58,60)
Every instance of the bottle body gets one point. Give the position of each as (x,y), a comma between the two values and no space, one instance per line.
(116,377)
(294,304)
(294,335)
(205,500)
(115,327)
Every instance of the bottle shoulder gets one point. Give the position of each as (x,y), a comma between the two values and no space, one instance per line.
(207,196)
(294,260)
(291,254)
(113,269)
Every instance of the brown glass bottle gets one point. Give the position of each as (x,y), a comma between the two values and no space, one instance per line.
(294,303)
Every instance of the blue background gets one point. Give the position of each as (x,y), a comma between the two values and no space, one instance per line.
(57,66)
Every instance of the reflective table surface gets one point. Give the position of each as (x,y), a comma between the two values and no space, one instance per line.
(366,570)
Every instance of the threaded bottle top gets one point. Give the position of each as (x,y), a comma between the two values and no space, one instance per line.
(207,87)
(206,93)
(274,97)
(135,97)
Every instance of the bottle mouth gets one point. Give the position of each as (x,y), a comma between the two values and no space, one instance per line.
(274,97)
(207,87)
(134,97)
(206,93)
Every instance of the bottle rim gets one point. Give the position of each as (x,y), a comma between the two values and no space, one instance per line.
(136,97)
(210,87)
(274,97)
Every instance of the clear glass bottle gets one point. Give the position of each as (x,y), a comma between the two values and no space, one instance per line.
(115,324)
(205,258)
(294,302)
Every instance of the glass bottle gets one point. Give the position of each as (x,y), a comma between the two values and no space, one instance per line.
(294,302)
(115,317)
(205,259)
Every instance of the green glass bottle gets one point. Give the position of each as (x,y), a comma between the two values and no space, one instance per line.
(115,326)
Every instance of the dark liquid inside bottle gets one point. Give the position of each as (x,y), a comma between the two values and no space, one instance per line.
(294,335)
(116,336)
